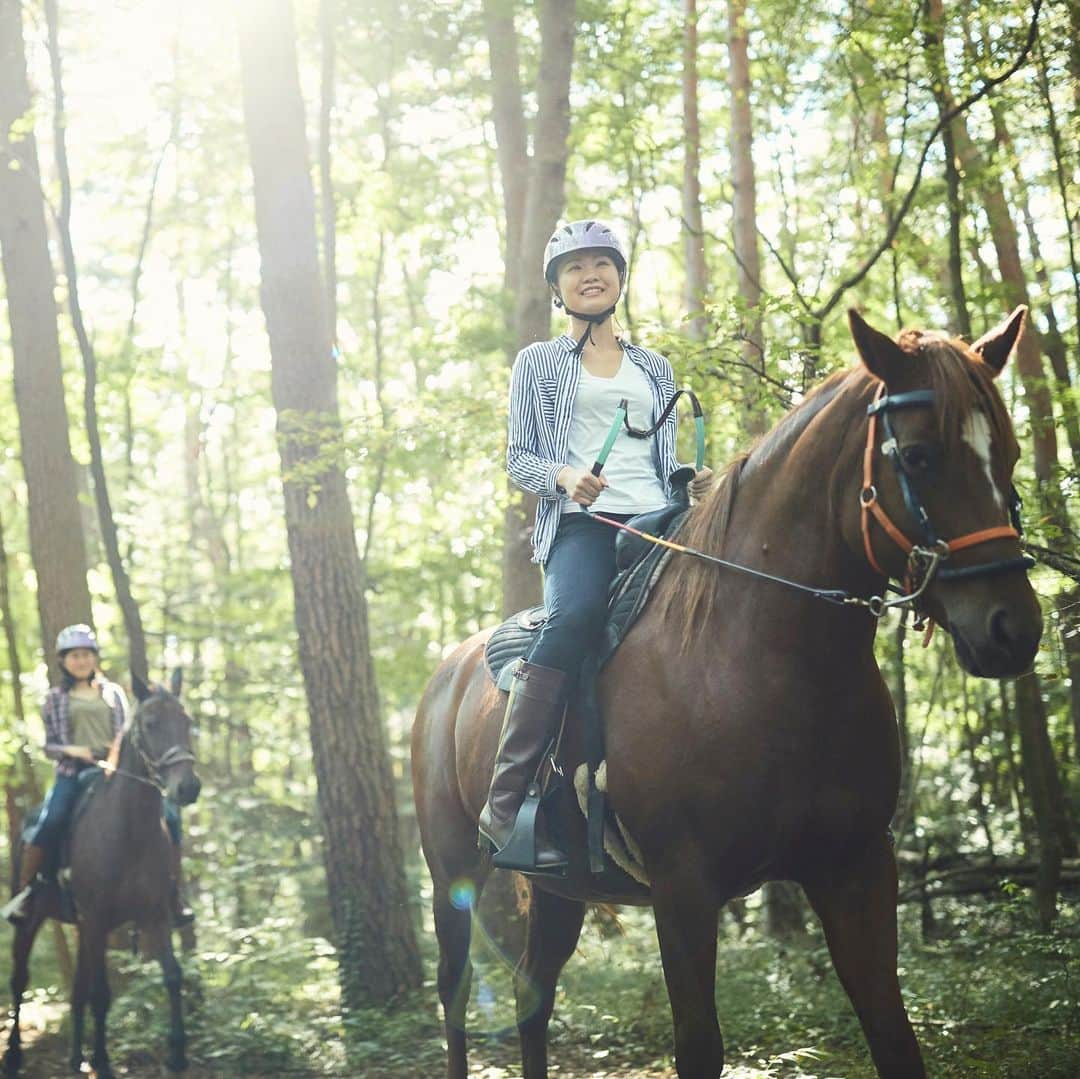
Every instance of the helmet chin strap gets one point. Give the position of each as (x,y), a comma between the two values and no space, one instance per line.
(597,319)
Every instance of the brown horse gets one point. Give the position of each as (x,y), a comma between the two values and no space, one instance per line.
(120,873)
(749,733)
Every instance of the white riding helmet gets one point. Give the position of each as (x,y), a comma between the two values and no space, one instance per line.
(576,236)
(77,636)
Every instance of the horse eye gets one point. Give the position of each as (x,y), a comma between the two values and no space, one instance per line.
(917,458)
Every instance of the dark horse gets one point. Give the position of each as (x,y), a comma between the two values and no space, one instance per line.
(750,735)
(120,873)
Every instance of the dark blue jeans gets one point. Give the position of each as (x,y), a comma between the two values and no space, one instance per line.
(56,812)
(577,576)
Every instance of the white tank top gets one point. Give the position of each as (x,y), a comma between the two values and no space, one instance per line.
(633,485)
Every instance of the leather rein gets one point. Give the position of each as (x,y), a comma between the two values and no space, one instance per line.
(924,559)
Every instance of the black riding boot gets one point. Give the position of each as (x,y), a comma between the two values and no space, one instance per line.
(533,715)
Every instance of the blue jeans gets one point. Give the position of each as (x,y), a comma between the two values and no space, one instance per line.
(56,812)
(577,576)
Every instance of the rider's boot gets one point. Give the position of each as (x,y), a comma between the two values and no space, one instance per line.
(18,907)
(182,914)
(533,714)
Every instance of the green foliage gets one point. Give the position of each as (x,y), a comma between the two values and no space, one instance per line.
(842,104)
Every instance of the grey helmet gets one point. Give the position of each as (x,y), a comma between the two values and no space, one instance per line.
(78,636)
(577,236)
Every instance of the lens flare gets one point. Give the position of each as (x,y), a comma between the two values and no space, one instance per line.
(463,894)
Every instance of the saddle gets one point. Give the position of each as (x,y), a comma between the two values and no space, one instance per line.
(641,565)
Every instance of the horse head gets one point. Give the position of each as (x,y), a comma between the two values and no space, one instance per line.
(160,732)
(938,467)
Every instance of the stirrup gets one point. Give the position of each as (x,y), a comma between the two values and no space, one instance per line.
(519,851)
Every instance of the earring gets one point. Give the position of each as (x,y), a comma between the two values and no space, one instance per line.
(557,302)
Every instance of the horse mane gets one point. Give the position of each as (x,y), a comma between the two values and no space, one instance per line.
(961,382)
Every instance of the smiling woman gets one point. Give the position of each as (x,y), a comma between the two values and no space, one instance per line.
(563,395)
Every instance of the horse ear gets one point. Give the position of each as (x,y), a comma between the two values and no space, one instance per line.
(142,690)
(996,345)
(881,355)
(176,681)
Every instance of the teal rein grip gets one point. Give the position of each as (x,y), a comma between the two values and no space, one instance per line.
(699,427)
(620,416)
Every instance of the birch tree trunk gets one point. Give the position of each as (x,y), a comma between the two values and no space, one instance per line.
(377,951)
(57,544)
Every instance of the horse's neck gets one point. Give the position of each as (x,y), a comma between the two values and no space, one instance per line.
(133,788)
(795,515)
(796,498)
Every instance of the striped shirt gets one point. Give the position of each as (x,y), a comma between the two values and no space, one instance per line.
(56,714)
(542,390)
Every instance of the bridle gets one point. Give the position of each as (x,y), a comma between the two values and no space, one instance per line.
(925,557)
(155,766)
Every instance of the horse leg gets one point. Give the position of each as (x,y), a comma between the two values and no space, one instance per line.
(80,993)
(25,934)
(92,955)
(454,903)
(554,928)
(857,908)
(687,916)
(174,980)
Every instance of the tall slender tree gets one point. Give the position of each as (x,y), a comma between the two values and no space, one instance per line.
(378,956)
(57,543)
(744,205)
(137,658)
(693,225)
(534,195)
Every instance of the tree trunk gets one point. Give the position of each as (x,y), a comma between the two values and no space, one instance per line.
(1006,244)
(532,211)
(57,544)
(21,788)
(744,218)
(377,951)
(693,227)
(328,17)
(1044,791)
(137,660)
(936,51)
(1052,341)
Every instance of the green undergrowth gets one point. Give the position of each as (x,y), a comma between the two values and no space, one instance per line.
(989,997)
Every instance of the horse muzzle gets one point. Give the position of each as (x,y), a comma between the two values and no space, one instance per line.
(185,790)
(999,642)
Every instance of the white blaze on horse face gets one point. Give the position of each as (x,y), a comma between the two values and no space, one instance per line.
(976,434)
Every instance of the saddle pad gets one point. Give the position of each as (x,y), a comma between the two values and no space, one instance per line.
(629,593)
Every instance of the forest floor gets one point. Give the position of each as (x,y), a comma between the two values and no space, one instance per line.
(992,998)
